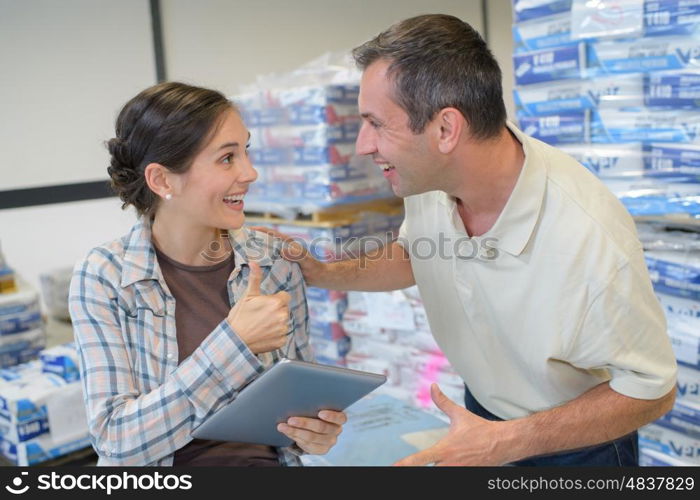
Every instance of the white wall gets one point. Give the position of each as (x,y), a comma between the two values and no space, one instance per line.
(42,238)
(500,19)
(223,44)
(66,68)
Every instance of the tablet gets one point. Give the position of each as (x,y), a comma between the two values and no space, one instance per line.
(287,389)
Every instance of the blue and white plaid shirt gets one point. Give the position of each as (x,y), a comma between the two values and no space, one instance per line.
(141,405)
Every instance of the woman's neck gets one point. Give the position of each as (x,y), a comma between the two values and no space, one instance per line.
(190,244)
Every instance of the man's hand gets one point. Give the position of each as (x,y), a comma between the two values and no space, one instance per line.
(471,440)
(315,435)
(293,251)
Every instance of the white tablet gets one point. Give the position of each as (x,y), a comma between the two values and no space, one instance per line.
(289,388)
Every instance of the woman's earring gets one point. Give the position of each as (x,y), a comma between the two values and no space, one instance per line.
(168,196)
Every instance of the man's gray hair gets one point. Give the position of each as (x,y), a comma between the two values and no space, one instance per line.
(439,61)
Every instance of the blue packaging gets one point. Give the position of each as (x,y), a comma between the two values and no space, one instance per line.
(642,55)
(544,33)
(549,65)
(676,90)
(688,385)
(326,330)
(61,360)
(40,449)
(567,96)
(682,158)
(673,278)
(671,17)
(21,322)
(670,442)
(313,114)
(684,417)
(609,160)
(644,125)
(557,129)
(532,9)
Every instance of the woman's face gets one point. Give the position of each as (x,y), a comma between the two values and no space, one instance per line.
(211,192)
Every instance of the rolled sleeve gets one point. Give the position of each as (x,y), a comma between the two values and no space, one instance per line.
(624,332)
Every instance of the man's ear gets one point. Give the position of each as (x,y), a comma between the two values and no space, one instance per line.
(451,124)
(158,179)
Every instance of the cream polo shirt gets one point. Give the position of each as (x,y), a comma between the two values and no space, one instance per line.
(553,300)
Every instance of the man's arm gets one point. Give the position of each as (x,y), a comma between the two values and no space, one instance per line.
(597,416)
(384,269)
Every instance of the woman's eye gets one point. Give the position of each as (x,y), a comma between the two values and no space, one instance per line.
(228,158)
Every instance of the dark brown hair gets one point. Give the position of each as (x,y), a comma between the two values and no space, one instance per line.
(439,61)
(169,124)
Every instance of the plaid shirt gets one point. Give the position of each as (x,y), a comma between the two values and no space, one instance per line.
(141,405)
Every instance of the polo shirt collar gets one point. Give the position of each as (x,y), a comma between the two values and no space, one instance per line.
(516,223)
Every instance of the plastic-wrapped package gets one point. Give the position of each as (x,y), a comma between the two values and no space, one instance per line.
(571,96)
(61,360)
(673,89)
(524,10)
(303,127)
(688,385)
(54,289)
(671,17)
(606,18)
(654,458)
(609,160)
(642,55)
(560,63)
(543,33)
(684,417)
(389,332)
(677,445)
(673,259)
(615,126)
(680,158)
(21,347)
(326,305)
(41,417)
(572,127)
(650,197)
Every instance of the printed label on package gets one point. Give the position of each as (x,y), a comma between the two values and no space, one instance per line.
(543,33)
(557,129)
(543,66)
(683,158)
(671,17)
(680,90)
(645,55)
(532,9)
(609,126)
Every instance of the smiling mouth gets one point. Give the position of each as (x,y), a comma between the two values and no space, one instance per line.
(234,199)
(387,167)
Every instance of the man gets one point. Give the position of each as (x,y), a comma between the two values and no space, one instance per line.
(531,272)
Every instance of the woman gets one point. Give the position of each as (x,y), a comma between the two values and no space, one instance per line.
(161,348)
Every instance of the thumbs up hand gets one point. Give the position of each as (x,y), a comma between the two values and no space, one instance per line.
(261,321)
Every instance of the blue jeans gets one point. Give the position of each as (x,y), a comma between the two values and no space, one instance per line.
(621,452)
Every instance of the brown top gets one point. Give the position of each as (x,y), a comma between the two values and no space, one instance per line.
(202,302)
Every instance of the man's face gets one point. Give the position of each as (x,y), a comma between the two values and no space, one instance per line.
(408,160)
